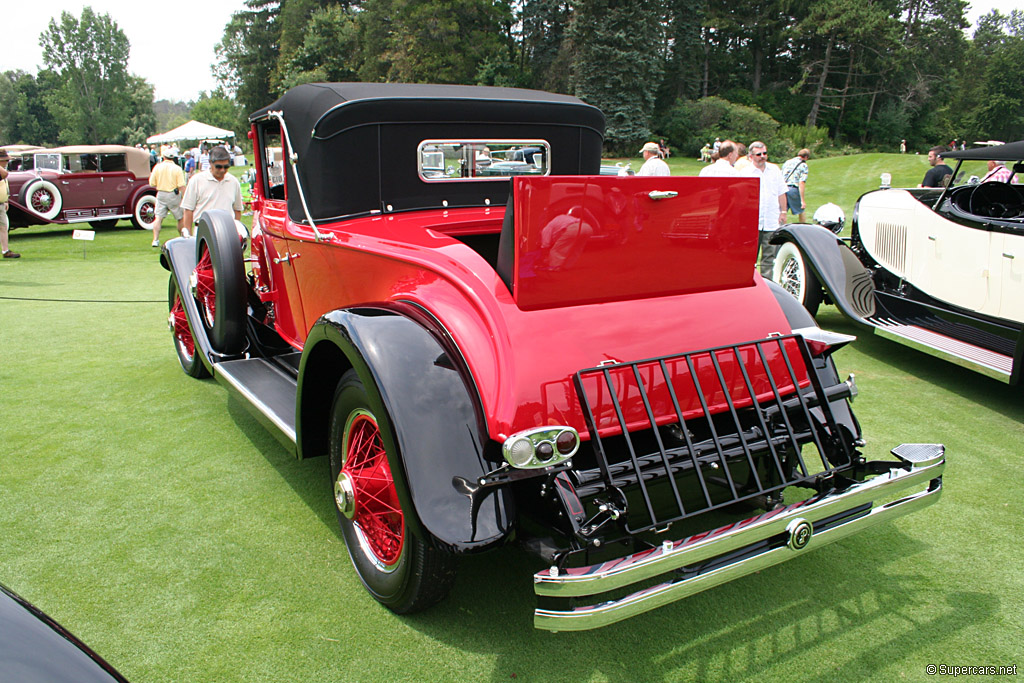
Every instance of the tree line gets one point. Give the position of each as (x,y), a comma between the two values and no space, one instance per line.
(823,73)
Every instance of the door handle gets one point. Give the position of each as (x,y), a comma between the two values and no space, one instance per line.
(286,258)
(662,194)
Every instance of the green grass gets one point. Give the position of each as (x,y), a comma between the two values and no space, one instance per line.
(152,516)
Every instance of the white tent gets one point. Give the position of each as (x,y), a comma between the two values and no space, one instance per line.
(193,130)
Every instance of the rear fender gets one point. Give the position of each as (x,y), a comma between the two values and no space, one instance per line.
(427,397)
(848,283)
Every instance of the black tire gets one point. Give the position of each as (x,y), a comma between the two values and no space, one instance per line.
(144,212)
(104,224)
(219,281)
(397,568)
(184,344)
(791,272)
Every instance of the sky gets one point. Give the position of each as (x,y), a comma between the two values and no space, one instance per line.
(158,39)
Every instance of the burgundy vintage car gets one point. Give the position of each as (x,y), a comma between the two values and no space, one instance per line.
(492,343)
(96,184)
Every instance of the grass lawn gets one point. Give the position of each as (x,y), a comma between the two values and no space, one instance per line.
(154,518)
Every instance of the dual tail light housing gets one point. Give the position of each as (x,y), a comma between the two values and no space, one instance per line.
(540,447)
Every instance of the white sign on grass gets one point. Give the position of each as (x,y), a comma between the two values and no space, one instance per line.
(89,235)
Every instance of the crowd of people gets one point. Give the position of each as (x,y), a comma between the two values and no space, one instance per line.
(186,197)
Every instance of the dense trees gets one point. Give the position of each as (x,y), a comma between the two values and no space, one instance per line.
(84,95)
(869,72)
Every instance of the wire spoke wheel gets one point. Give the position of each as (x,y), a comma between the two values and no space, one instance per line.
(184,342)
(377,514)
(398,568)
(205,288)
(790,271)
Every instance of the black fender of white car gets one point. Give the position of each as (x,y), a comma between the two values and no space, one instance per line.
(801,322)
(846,281)
(435,435)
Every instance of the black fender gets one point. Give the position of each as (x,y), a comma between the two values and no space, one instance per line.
(847,282)
(179,256)
(824,367)
(421,387)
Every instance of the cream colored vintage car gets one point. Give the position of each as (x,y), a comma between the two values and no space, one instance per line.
(941,270)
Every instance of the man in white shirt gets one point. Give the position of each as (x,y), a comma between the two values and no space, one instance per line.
(772,206)
(728,152)
(653,163)
(213,189)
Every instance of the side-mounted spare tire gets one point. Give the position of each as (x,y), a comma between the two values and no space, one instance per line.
(43,198)
(218,281)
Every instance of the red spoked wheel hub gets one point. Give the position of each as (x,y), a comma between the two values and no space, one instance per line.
(365,491)
(41,200)
(179,326)
(147,213)
(203,287)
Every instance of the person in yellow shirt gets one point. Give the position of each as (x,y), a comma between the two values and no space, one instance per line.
(169,181)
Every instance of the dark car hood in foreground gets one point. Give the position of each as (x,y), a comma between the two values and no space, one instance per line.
(35,648)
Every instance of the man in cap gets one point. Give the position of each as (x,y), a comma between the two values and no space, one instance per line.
(653,163)
(213,189)
(4,195)
(169,181)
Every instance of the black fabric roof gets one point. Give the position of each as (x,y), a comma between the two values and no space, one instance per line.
(356,142)
(1011,151)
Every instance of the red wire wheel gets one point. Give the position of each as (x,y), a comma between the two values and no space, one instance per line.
(205,287)
(184,342)
(397,567)
(365,491)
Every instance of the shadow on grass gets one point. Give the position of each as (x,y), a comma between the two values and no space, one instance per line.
(972,386)
(802,614)
(309,479)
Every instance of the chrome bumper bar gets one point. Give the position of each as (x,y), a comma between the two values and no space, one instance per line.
(788,531)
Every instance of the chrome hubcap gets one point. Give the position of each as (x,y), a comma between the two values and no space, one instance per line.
(345,495)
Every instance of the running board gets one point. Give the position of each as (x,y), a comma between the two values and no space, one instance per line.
(989,363)
(267,391)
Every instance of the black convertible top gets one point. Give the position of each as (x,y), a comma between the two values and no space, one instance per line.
(1011,151)
(357,142)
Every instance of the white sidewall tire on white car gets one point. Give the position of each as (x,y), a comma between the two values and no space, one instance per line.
(791,272)
(48,201)
(143,213)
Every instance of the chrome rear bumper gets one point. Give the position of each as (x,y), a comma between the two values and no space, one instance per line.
(771,538)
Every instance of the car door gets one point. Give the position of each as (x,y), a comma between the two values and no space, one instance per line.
(270,216)
(1010,256)
(950,261)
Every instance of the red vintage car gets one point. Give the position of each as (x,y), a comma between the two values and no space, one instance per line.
(493,343)
(96,184)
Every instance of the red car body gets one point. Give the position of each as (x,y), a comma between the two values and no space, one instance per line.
(491,343)
(98,184)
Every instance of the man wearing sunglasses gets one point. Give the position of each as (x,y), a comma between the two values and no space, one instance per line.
(212,189)
(772,209)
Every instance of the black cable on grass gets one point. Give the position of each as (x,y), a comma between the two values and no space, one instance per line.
(85,301)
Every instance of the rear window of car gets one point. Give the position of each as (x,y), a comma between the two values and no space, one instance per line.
(455,160)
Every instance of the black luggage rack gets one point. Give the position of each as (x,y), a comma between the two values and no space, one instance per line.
(711,461)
